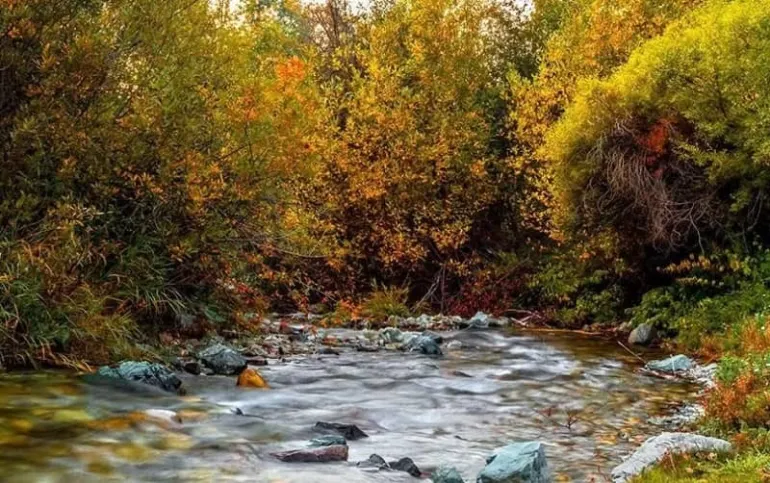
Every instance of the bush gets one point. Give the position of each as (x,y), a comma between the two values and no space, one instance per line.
(386,302)
(670,151)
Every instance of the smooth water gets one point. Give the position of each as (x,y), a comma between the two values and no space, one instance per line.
(583,398)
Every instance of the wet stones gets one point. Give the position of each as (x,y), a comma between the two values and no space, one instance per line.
(251,378)
(144,372)
(407,465)
(350,432)
(222,360)
(426,343)
(322,454)
(516,463)
(446,474)
(377,462)
(391,335)
(479,321)
(675,365)
(655,449)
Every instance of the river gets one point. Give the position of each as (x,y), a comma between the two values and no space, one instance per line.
(583,397)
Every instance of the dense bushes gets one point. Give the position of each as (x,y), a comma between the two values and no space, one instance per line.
(143,165)
(670,150)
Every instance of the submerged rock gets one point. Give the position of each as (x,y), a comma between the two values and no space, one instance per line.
(251,378)
(222,360)
(350,432)
(655,449)
(192,367)
(407,465)
(144,372)
(446,474)
(327,440)
(426,343)
(673,365)
(454,345)
(643,334)
(314,455)
(516,463)
(374,461)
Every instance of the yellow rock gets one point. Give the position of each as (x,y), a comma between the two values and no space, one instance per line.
(251,378)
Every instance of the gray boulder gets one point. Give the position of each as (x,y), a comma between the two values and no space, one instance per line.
(446,474)
(374,462)
(673,365)
(407,465)
(222,360)
(425,343)
(144,372)
(655,449)
(479,321)
(643,334)
(391,335)
(517,463)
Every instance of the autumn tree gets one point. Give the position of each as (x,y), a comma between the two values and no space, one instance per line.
(146,146)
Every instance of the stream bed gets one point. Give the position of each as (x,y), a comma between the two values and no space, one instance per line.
(584,398)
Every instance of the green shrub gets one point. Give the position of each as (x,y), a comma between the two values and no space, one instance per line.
(385,302)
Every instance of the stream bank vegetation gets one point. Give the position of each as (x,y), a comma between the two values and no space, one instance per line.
(178,168)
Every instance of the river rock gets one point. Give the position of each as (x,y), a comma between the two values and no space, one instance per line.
(673,365)
(446,474)
(327,440)
(374,461)
(479,321)
(391,335)
(222,360)
(350,432)
(251,378)
(516,463)
(427,343)
(322,454)
(144,372)
(407,465)
(655,449)
(643,334)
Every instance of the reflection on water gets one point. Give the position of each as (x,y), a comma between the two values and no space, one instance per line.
(581,397)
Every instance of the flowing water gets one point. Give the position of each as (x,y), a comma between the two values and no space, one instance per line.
(584,398)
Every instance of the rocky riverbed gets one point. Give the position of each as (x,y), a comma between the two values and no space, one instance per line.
(586,401)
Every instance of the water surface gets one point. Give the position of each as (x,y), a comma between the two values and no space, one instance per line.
(582,397)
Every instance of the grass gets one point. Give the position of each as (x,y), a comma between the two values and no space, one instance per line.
(742,468)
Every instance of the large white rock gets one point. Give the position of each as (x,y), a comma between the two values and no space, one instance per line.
(655,449)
